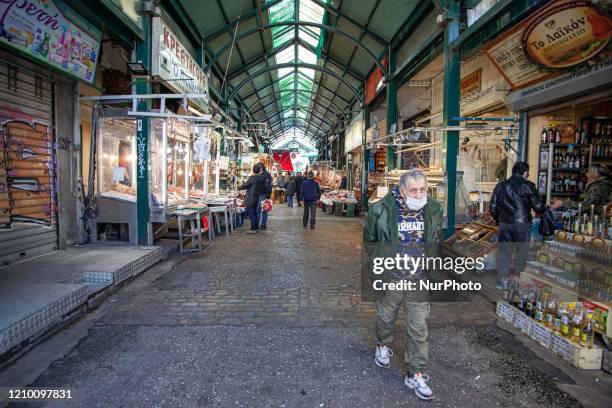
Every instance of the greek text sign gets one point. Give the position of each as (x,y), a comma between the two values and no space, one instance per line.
(53,33)
(567,35)
(172,62)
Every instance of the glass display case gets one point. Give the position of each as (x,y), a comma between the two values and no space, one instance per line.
(169,169)
(116,158)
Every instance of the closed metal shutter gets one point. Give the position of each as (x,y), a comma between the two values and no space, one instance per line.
(28,203)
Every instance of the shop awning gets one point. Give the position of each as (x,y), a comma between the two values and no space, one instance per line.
(284,158)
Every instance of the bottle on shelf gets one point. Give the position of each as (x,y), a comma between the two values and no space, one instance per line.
(557,135)
(550,312)
(544,136)
(587,330)
(564,326)
(577,136)
(576,325)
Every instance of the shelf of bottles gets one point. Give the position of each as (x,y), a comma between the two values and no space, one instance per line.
(567,151)
(575,270)
(577,321)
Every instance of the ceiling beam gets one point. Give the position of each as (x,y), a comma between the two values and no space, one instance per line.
(378,38)
(296,65)
(252,31)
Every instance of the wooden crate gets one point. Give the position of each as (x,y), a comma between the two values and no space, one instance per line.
(580,357)
(522,322)
(541,334)
(505,310)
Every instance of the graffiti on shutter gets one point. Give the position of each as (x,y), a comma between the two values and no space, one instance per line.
(30,168)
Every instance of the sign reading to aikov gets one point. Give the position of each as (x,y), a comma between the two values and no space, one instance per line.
(51,32)
(567,35)
(172,63)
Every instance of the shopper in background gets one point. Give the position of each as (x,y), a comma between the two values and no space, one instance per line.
(406,221)
(253,186)
(290,189)
(342,183)
(511,205)
(598,190)
(298,187)
(265,194)
(311,193)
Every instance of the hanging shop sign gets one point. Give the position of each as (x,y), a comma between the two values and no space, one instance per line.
(172,63)
(470,83)
(374,82)
(580,81)
(567,35)
(51,32)
(561,36)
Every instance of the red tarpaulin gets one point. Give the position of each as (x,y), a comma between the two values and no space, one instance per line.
(284,158)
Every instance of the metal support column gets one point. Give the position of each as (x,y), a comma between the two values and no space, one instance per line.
(365,159)
(391,108)
(452,76)
(142,85)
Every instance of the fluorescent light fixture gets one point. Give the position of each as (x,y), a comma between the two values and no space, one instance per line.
(137,68)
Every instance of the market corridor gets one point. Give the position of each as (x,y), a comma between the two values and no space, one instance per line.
(276,320)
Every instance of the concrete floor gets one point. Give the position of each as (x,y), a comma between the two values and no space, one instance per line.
(277,320)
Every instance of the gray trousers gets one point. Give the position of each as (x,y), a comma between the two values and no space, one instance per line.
(310,211)
(415,316)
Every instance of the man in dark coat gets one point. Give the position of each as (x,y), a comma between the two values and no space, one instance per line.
(511,205)
(290,189)
(298,185)
(311,193)
(264,194)
(253,186)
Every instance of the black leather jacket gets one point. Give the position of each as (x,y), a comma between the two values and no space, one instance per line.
(513,200)
(253,186)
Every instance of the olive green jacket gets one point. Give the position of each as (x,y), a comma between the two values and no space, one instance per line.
(380,234)
(599,193)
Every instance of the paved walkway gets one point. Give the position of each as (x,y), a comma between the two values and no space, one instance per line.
(276,320)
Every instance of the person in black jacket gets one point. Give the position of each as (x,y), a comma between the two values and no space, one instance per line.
(253,186)
(290,189)
(311,193)
(264,194)
(511,205)
(298,184)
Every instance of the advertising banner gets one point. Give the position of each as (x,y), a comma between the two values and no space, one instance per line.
(172,63)
(51,32)
(563,35)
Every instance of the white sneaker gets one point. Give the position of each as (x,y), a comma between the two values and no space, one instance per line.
(382,356)
(418,383)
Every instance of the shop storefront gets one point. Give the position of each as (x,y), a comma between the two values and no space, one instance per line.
(40,65)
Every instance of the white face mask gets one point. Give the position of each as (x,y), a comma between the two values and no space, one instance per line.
(416,203)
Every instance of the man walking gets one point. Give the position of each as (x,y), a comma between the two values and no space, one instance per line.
(311,192)
(511,205)
(404,222)
(265,194)
(253,186)
(290,189)
(298,185)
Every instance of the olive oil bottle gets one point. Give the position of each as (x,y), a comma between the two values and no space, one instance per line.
(587,331)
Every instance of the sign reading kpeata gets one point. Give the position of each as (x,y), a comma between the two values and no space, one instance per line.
(51,32)
(567,35)
(172,63)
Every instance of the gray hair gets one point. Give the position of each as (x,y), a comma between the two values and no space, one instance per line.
(412,175)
